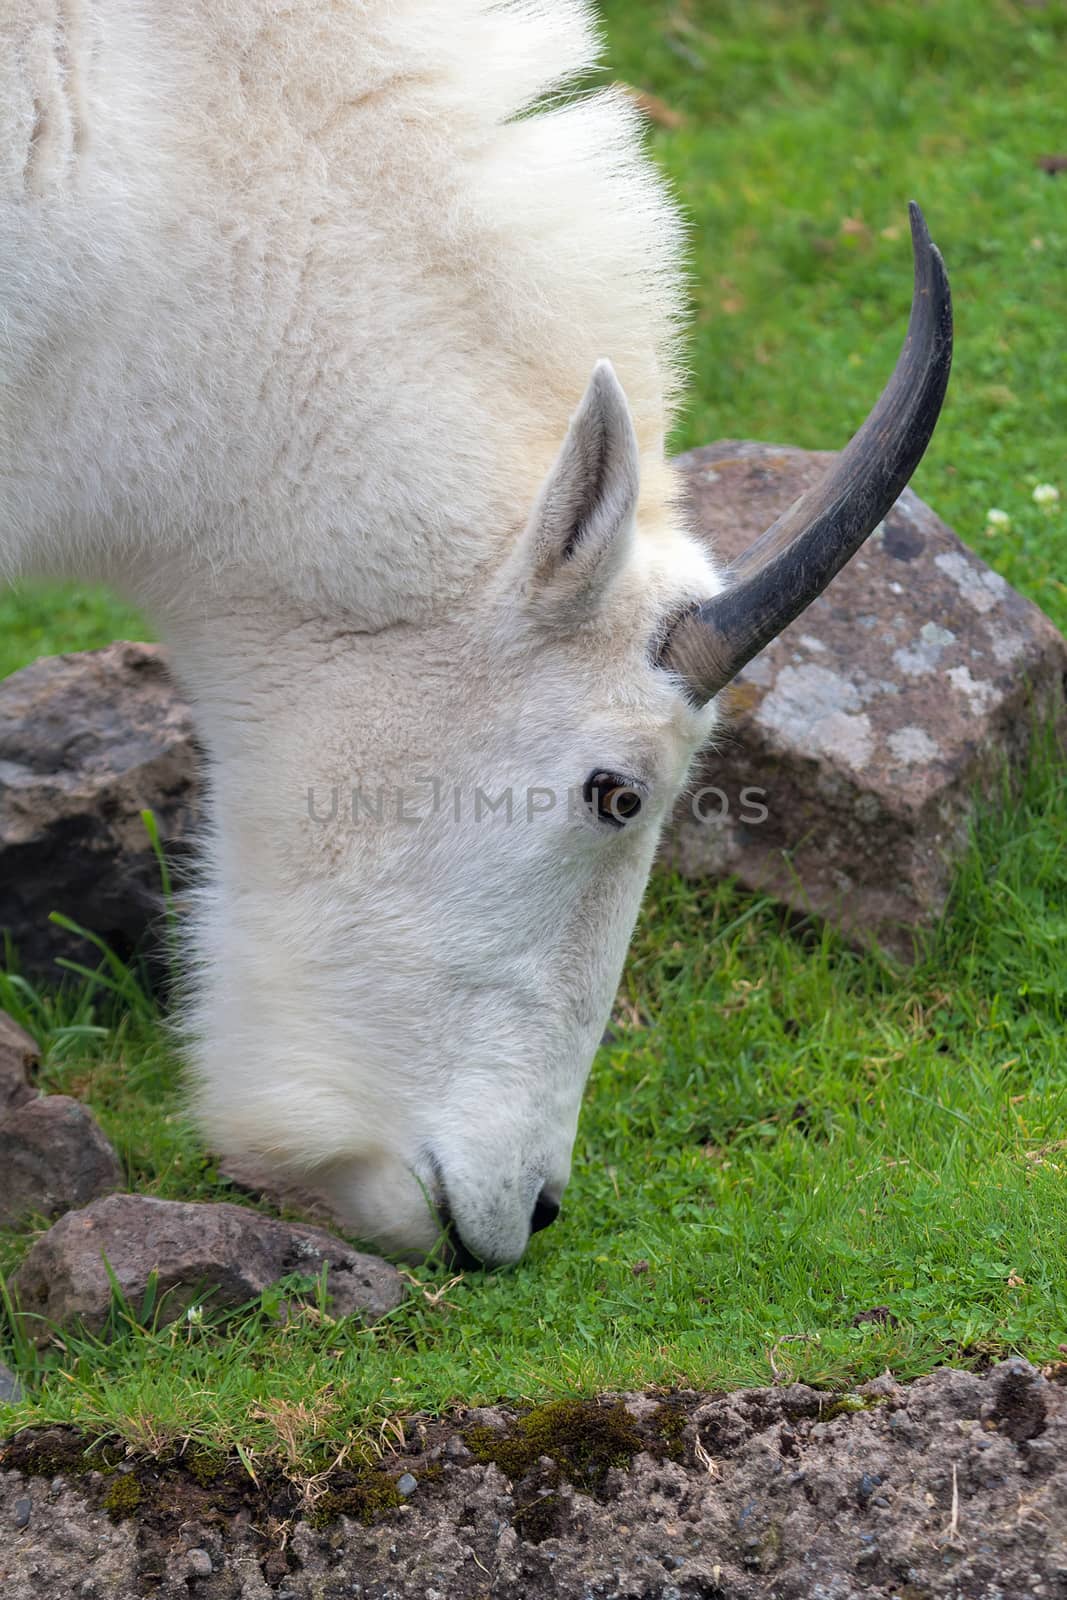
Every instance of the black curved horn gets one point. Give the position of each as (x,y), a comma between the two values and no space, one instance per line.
(789,565)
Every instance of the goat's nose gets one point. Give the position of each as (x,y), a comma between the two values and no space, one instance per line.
(545,1212)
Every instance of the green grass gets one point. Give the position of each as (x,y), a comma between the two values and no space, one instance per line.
(784,1134)
(39,619)
(792,1135)
(808,128)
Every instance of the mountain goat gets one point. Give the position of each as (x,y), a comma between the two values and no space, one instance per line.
(339,341)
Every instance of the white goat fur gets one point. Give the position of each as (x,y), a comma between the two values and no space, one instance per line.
(295,310)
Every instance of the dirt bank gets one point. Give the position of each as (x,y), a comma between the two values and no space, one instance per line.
(955,1487)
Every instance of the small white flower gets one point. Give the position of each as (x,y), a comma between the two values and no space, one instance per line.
(997,521)
(1046,495)
(195,1315)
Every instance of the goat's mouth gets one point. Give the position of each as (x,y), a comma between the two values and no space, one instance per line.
(456,1252)
(453,1249)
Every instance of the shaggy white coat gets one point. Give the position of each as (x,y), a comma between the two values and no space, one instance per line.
(296,308)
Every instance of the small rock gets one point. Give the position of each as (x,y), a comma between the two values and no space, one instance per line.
(879,1315)
(19,1059)
(1020,1407)
(53,1157)
(869,1482)
(10,1388)
(86,743)
(23,1511)
(198,1564)
(494,1417)
(857,739)
(275,1566)
(884,1387)
(220,1255)
(406,1484)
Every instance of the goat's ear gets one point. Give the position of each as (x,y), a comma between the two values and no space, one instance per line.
(582,526)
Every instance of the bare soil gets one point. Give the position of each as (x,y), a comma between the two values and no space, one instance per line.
(951,1488)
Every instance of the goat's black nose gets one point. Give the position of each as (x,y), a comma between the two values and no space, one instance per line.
(545,1212)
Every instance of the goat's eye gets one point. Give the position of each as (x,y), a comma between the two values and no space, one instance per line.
(613,799)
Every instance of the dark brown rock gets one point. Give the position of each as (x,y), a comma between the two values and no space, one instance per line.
(53,1157)
(86,743)
(19,1059)
(220,1256)
(866,728)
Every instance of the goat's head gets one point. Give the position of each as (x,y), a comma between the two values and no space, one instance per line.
(492,847)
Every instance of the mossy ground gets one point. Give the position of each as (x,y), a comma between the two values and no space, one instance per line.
(160,1490)
(585,1439)
(569,1442)
(712,1236)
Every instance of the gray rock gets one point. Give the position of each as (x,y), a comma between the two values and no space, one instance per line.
(19,1059)
(857,739)
(10,1388)
(53,1157)
(220,1256)
(86,742)
(198,1564)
